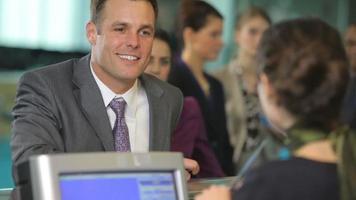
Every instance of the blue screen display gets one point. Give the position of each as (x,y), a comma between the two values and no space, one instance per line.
(124,185)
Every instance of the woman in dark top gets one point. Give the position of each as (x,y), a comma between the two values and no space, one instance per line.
(189,137)
(303,79)
(201,28)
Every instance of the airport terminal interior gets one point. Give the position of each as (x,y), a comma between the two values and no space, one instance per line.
(35,33)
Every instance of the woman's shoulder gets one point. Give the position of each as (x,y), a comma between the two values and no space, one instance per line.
(295,178)
(191,108)
(297,164)
(191,102)
(213,81)
(219,73)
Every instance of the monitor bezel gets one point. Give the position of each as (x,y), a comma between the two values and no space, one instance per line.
(46,169)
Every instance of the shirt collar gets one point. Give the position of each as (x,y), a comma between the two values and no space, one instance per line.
(129,96)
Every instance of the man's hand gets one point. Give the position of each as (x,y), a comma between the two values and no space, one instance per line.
(191,167)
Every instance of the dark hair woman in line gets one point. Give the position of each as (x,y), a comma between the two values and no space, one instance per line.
(189,136)
(200,27)
(303,78)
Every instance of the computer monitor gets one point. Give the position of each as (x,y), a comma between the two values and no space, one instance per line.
(108,175)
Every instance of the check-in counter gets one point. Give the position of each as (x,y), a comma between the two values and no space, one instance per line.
(5,193)
(195,186)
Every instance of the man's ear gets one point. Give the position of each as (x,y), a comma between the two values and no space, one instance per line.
(91,32)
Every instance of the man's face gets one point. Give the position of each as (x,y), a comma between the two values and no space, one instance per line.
(350,44)
(121,42)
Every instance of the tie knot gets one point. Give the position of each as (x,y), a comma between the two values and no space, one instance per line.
(118,106)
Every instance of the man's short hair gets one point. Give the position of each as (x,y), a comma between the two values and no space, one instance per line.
(97,6)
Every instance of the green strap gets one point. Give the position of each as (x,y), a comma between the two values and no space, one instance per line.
(298,137)
(344,144)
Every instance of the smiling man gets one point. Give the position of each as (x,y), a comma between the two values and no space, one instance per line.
(103,101)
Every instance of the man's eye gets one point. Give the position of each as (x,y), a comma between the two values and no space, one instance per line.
(119,29)
(146,33)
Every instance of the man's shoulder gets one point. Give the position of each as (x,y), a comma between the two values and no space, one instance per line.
(58,72)
(56,67)
(155,83)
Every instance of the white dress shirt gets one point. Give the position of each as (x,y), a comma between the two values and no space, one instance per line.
(136,112)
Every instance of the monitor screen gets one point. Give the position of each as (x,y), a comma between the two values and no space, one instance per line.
(118,185)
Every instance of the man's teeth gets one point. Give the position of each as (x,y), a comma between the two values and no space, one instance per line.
(127,57)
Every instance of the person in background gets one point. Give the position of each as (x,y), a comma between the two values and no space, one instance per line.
(189,136)
(103,101)
(239,79)
(350,44)
(349,110)
(303,79)
(200,31)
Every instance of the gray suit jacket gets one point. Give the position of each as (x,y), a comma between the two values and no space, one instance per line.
(59,108)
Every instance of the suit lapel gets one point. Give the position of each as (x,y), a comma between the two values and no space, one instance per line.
(158,113)
(89,97)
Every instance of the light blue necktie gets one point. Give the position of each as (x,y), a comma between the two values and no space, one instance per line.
(120,130)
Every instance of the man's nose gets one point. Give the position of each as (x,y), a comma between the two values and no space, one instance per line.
(132,40)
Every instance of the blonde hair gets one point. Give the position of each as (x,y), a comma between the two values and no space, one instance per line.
(250,13)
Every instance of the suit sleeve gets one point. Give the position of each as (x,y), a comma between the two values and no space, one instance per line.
(36,126)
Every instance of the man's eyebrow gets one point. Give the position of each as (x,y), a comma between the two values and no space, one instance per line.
(147,26)
(119,24)
(144,26)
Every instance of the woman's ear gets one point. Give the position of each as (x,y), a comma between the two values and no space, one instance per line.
(188,35)
(91,32)
(267,86)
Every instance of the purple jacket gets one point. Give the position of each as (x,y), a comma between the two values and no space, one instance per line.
(190,138)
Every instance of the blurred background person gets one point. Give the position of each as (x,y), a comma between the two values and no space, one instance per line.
(304,76)
(350,44)
(349,110)
(239,79)
(200,27)
(31,39)
(189,137)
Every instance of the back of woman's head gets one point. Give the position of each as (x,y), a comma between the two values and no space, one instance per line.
(305,61)
(195,13)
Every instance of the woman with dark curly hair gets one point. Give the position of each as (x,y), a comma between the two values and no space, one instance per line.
(303,78)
